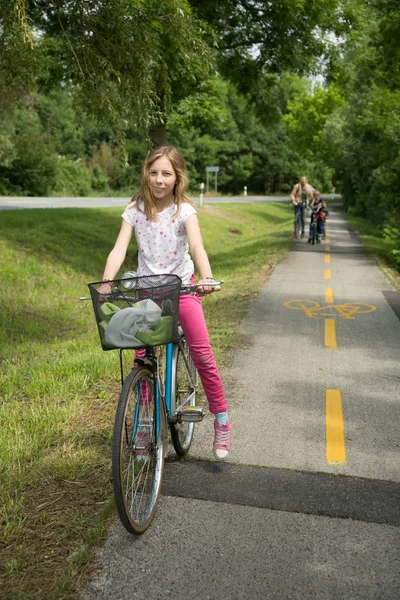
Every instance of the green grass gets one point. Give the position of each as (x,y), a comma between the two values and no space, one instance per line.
(58,389)
(371,237)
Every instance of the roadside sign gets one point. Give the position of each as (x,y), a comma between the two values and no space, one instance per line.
(212,169)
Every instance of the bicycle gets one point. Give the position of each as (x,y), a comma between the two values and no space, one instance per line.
(314,236)
(159,391)
(297,220)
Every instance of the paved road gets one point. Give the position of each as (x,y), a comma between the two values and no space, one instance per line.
(18,203)
(309,504)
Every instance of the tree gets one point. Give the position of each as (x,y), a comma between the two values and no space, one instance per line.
(129,59)
(125,58)
(32,159)
(369,75)
(307,122)
(256,37)
(227,131)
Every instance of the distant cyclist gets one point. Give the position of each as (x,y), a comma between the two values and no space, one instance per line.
(320,210)
(301,195)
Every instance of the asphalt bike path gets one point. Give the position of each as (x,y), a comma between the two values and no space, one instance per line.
(308,505)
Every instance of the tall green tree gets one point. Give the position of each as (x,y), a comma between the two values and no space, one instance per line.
(222,127)
(129,59)
(369,136)
(125,58)
(308,122)
(258,39)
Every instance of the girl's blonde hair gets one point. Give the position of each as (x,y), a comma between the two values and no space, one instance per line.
(180,170)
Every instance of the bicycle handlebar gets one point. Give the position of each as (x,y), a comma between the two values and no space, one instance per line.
(191,288)
(185,289)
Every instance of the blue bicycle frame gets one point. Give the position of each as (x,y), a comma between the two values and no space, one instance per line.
(168,390)
(168,395)
(168,377)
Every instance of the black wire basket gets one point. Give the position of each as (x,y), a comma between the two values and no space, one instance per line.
(137,312)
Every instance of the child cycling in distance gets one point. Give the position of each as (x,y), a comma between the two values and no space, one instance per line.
(324,215)
(318,207)
(166,228)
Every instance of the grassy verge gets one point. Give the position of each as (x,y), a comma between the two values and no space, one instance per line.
(375,245)
(58,390)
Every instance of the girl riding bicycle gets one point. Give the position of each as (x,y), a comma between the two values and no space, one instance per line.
(166,226)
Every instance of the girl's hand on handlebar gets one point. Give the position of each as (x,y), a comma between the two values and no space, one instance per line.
(104,288)
(208,287)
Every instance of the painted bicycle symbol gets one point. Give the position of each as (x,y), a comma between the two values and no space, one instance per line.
(316,311)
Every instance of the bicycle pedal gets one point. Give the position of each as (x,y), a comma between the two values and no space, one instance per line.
(191,414)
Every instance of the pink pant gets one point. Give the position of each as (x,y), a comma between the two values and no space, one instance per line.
(191,318)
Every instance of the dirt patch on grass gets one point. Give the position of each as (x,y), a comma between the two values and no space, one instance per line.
(215,210)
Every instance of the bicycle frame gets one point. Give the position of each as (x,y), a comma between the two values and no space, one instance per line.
(169,349)
(167,383)
(170,409)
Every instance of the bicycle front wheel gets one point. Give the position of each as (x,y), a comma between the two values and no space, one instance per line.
(138,451)
(184,388)
(297,226)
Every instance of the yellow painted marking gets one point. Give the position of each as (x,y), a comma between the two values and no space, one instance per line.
(327,248)
(327,274)
(335,444)
(330,334)
(315,311)
(328,241)
(327,258)
(329,296)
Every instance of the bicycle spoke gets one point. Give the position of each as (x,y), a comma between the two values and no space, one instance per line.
(138,459)
(185,388)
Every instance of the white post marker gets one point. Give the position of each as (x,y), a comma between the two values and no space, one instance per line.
(201,193)
(245,190)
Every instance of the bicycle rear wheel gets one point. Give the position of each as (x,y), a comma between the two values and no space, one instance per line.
(138,451)
(184,388)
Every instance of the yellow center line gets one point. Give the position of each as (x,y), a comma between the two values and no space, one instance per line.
(327,274)
(335,444)
(327,258)
(328,241)
(327,248)
(329,296)
(330,334)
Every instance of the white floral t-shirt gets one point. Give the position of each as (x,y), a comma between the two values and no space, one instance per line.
(162,245)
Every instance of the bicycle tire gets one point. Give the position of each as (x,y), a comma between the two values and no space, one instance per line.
(184,384)
(137,456)
(297,226)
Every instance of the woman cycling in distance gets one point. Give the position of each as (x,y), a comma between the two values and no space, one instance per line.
(300,197)
(165,224)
